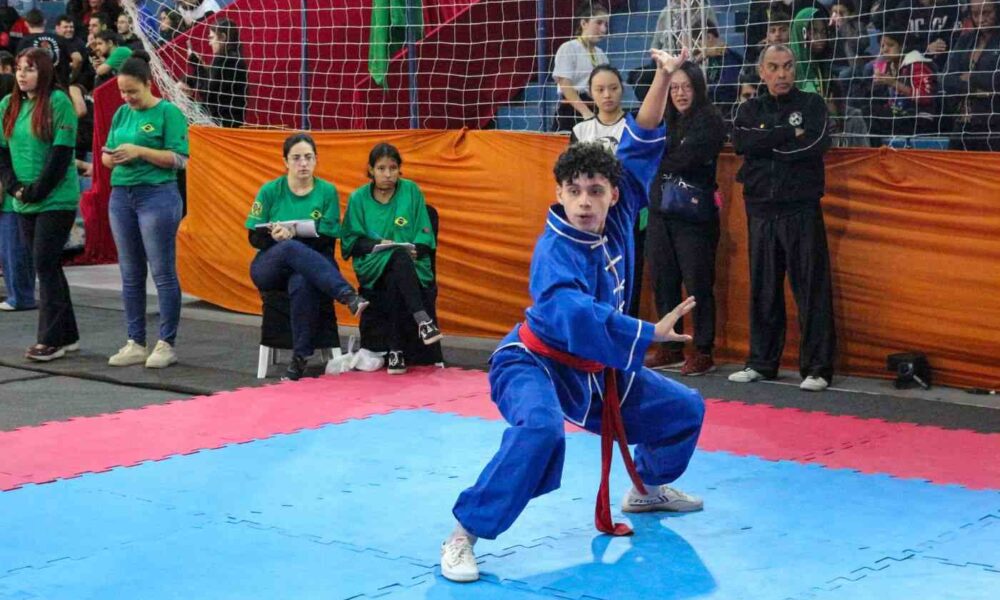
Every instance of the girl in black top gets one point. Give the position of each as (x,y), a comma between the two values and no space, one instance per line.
(222,86)
(681,239)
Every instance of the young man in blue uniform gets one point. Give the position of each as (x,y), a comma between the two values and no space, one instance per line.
(577,348)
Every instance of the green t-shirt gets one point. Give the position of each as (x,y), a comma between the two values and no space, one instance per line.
(161,127)
(276,202)
(118,57)
(29,154)
(402,219)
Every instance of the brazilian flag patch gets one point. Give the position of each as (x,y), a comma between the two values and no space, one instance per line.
(315,214)
(256,209)
(400,221)
(148,128)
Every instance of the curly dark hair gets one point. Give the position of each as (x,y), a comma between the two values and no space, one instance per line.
(590,158)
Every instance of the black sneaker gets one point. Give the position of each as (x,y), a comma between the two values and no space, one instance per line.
(356,304)
(429,332)
(296,368)
(396,364)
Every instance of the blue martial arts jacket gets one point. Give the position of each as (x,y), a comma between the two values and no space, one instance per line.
(580,285)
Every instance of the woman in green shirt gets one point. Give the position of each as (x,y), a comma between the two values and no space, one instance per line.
(294,223)
(388,234)
(37,140)
(147,145)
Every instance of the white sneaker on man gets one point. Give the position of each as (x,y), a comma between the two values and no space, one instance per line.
(458,561)
(132,353)
(747,375)
(814,384)
(660,498)
(162,356)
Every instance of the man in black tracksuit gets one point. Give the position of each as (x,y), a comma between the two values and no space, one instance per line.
(782,135)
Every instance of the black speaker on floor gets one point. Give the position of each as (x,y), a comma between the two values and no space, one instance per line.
(910,368)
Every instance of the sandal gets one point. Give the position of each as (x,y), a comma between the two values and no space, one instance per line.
(43,353)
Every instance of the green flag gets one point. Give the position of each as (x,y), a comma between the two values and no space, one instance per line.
(388,32)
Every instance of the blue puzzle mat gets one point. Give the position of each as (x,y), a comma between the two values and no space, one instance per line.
(358,510)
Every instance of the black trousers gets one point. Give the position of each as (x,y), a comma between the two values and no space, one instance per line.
(46,234)
(795,243)
(640,264)
(400,285)
(683,252)
(566,116)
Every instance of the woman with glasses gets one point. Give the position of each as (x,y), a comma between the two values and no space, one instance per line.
(294,223)
(683,231)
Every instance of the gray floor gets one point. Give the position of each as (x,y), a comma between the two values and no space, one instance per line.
(218,351)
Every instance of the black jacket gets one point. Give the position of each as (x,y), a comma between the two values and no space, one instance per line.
(781,172)
(692,153)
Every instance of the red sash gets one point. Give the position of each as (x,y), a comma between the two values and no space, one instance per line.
(612,427)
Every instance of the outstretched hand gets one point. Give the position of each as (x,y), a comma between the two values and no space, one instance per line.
(664,330)
(668,62)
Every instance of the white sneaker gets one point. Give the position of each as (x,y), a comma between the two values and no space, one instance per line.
(131,353)
(458,562)
(162,356)
(74,347)
(814,384)
(6,306)
(747,375)
(660,498)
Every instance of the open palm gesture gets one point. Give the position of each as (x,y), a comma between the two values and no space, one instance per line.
(668,62)
(664,330)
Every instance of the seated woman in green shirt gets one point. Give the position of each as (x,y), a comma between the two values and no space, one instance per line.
(37,139)
(388,234)
(298,257)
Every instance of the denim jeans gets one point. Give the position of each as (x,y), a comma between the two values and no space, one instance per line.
(309,277)
(144,222)
(18,268)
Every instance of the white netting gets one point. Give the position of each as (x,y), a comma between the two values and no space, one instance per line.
(384,64)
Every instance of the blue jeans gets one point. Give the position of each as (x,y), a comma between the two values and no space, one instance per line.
(308,276)
(18,268)
(144,221)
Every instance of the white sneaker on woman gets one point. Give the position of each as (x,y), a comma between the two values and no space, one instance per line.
(458,562)
(132,353)
(162,356)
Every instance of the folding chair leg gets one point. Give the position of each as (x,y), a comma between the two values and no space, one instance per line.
(265,358)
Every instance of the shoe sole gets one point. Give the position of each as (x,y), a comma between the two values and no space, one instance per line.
(57,354)
(127,364)
(708,370)
(436,338)
(172,362)
(460,578)
(660,508)
(74,347)
(396,371)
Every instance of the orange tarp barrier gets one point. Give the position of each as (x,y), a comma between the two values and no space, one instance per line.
(914,238)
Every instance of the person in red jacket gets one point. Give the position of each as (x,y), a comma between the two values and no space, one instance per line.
(908,83)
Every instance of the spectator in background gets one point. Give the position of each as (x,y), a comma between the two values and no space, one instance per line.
(15,255)
(83,10)
(147,145)
(128,37)
(52,43)
(112,56)
(36,167)
(782,135)
(95,24)
(810,45)
(972,81)
(908,84)
(171,25)
(722,69)
(931,26)
(8,17)
(677,18)
(6,63)
(392,210)
(845,30)
(301,265)
(573,63)
(222,86)
(684,218)
(193,11)
(66,29)
(777,22)
(606,127)
(848,127)
(749,82)
(17,30)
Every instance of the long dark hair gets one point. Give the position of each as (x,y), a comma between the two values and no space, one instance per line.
(700,102)
(41,117)
(232,33)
